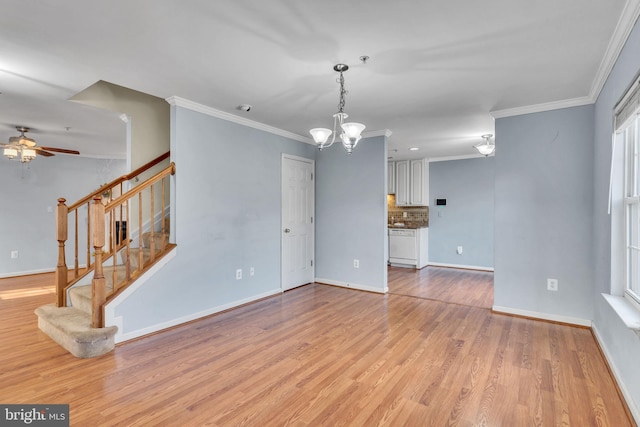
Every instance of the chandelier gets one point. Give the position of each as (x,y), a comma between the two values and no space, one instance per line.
(20,147)
(486,147)
(351,132)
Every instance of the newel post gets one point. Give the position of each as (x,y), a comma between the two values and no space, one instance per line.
(62,213)
(98,283)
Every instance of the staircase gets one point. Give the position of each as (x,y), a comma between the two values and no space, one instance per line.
(76,321)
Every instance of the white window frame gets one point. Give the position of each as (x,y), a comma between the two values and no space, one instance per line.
(630,136)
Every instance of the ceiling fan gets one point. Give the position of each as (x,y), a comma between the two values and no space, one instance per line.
(25,148)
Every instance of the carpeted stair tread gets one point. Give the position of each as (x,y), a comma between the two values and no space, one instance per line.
(133,253)
(71,328)
(157,238)
(81,298)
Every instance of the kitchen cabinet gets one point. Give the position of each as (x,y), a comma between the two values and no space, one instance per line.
(412,182)
(402,183)
(391,177)
(409,247)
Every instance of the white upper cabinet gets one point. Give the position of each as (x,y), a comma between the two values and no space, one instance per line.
(402,183)
(391,178)
(412,182)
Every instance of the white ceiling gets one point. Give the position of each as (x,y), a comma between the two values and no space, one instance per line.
(437,68)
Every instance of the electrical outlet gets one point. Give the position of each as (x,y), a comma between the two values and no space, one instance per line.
(15,254)
(239,274)
(459,250)
(405,214)
(251,271)
(552,284)
(356,263)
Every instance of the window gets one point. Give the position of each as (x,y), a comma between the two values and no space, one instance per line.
(632,210)
(628,134)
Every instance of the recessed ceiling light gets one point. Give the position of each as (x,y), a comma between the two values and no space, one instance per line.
(413,149)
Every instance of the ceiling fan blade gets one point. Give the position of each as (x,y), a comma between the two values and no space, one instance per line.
(60,150)
(40,151)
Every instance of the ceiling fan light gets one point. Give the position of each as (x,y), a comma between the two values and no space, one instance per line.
(320,135)
(10,152)
(27,154)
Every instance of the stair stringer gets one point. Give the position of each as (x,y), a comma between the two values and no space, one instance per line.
(110,317)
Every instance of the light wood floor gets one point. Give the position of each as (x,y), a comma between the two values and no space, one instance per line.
(320,355)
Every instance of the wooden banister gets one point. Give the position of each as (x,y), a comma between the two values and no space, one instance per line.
(120,180)
(169,170)
(105,240)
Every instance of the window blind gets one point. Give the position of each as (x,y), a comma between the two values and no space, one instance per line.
(628,106)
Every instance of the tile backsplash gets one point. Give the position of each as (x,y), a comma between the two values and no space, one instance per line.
(415,215)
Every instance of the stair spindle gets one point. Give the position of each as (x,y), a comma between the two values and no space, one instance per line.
(61,269)
(98,284)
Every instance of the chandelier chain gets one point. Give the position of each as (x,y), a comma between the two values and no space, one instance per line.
(343,92)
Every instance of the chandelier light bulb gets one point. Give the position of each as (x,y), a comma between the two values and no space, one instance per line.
(320,135)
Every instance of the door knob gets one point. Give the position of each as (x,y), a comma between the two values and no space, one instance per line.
(286,230)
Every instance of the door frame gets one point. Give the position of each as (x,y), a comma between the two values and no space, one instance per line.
(312,162)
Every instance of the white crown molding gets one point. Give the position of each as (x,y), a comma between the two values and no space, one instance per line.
(374,133)
(537,108)
(461,157)
(625,25)
(194,106)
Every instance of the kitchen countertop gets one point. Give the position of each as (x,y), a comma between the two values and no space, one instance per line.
(410,225)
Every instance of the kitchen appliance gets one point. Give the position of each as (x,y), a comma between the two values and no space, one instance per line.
(402,245)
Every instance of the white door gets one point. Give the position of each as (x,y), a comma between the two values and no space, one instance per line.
(297,221)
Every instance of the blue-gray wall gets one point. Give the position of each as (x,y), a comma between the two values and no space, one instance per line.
(28,190)
(228,214)
(227,217)
(543,212)
(467,219)
(621,345)
(351,213)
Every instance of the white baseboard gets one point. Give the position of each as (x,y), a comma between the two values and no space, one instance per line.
(112,320)
(627,396)
(464,267)
(351,285)
(120,337)
(27,273)
(543,316)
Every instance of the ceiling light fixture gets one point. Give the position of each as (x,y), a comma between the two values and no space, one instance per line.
(351,132)
(25,149)
(20,146)
(487,146)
